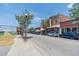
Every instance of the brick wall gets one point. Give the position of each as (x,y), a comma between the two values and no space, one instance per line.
(64,18)
(68,24)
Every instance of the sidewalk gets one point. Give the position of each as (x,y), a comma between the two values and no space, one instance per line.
(21,48)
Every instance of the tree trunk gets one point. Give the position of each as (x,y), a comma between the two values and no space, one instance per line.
(26,30)
(25,33)
(22,32)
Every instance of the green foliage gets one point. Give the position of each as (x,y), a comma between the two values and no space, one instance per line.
(24,21)
(31,29)
(42,22)
(74,11)
(45,23)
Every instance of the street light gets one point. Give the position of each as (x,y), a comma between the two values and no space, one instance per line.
(25,25)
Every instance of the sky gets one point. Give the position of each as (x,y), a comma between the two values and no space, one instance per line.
(39,10)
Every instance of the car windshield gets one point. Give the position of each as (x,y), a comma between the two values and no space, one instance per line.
(56,32)
(53,32)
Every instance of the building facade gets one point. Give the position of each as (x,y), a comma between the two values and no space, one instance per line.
(53,23)
(5,28)
(71,25)
(56,20)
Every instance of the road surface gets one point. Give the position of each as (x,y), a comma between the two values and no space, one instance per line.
(55,46)
(40,45)
(4,50)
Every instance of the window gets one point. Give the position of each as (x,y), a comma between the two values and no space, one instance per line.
(68,29)
(74,29)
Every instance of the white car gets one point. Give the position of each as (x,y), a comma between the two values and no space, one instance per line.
(55,34)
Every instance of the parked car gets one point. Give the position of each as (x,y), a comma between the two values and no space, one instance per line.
(70,35)
(54,34)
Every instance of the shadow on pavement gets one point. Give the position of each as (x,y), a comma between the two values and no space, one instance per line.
(26,38)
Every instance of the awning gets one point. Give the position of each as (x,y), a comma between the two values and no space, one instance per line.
(54,26)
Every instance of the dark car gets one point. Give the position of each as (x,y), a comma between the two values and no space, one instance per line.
(70,35)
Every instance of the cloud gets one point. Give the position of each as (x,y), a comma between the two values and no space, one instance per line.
(5,4)
(37,19)
(33,12)
(70,5)
(36,22)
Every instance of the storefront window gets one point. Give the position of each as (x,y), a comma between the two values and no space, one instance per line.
(74,29)
(62,30)
(78,30)
(68,29)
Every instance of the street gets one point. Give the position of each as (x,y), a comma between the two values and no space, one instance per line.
(40,45)
(54,46)
(4,50)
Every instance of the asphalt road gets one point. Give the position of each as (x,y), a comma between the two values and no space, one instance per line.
(4,50)
(54,46)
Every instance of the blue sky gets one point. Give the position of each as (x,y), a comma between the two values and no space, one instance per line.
(40,11)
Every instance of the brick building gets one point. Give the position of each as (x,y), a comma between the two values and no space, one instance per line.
(71,25)
(55,22)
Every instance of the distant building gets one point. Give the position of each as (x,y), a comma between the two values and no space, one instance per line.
(4,28)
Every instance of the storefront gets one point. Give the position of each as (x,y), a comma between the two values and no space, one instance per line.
(72,25)
(55,28)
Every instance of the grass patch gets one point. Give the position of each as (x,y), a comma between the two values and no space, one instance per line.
(7,39)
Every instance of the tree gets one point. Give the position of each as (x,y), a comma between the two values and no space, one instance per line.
(74,11)
(42,23)
(31,30)
(45,23)
(24,21)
